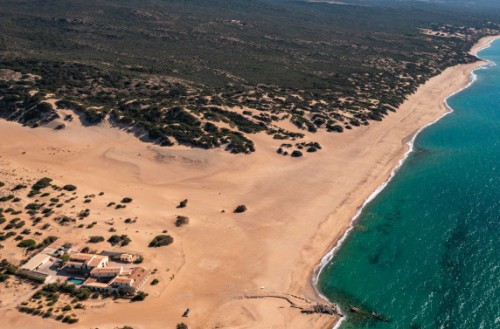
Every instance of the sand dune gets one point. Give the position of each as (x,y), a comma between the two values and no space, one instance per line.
(221,261)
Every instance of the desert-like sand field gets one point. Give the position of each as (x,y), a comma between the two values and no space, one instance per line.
(231,270)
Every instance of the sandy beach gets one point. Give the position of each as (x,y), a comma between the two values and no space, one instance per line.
(231,270)
(483,44)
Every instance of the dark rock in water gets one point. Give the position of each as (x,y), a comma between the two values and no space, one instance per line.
(324,309)
(365,314)
(355,309)
(380,317)
(320,309)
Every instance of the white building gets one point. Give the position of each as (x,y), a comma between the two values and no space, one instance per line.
(86,262)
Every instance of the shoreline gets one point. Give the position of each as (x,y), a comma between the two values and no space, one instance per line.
(483,44)
(231,270)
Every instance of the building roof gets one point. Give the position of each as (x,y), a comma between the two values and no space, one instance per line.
(96,260)
(49,250)
(79,264)
(36,261)
(79,257)
(138,274)
(123,280)
(111,270)
(127,257)
(91,282)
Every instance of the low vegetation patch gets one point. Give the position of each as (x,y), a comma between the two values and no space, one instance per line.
(69,188)
(240,209)
(18,187)
(121,240)
(161,240)
(183,203)
(181,220)
(139,296)
(96,239)
(42,183)
(29,243)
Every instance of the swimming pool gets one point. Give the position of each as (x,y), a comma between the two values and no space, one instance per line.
(75,281)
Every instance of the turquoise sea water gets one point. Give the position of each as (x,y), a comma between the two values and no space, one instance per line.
(425,252)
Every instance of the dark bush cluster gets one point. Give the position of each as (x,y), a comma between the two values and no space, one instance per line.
(240,209)
(121,240)
(69,188)
(181,220)
(161,240)
(96,239)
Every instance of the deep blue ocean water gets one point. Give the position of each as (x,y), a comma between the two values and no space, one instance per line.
(425,252)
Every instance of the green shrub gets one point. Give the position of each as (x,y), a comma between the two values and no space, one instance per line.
(65,257)
(96,239)
(11,269)
(122,240)
(48,240)
(72,320)
(27,243)
(18,187)
(69,188)
(81,294)
(140,296)
(4,277)
(6,198)
(161,240)
(241,208)
(337,128)
(33,193)
(42,183)
(181,220)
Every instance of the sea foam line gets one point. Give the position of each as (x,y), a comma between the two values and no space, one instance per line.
(329,256)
